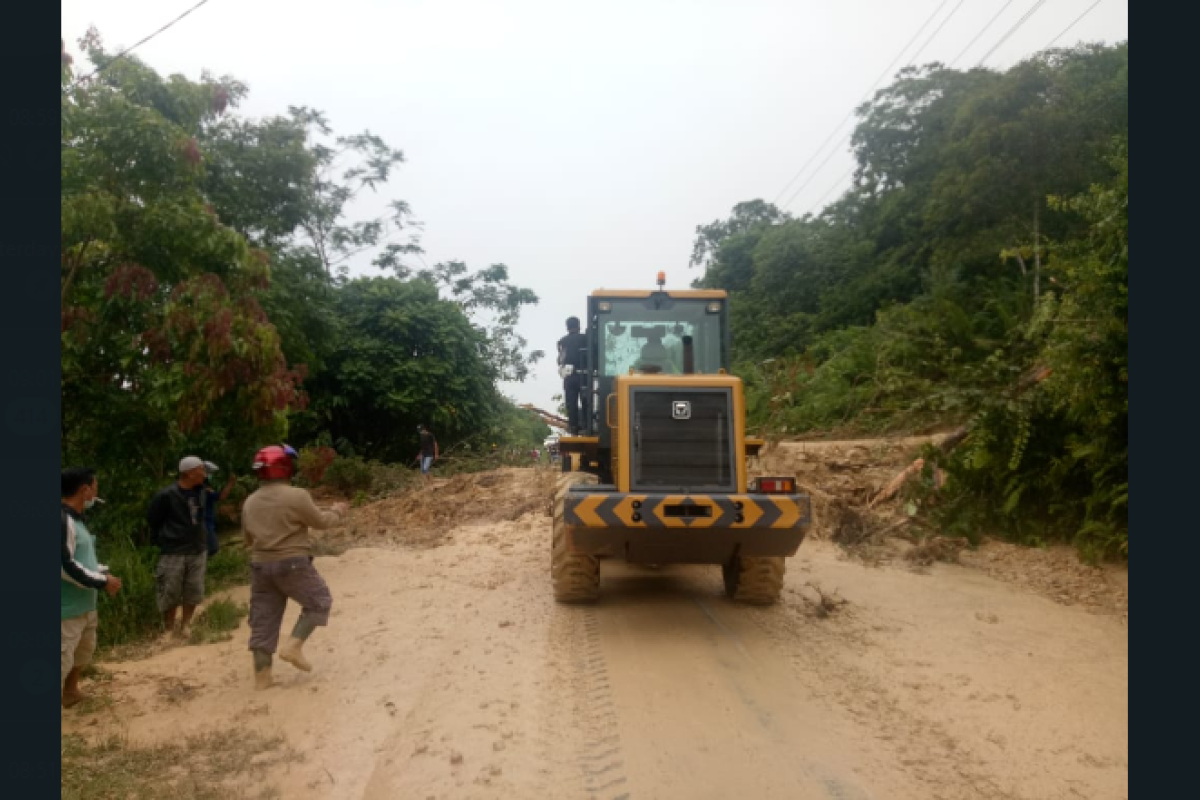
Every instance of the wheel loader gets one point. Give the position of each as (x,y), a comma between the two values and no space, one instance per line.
(658,472)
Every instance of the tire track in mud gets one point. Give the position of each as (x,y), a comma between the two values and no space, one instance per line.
(923,748)
(711,709)
(583,733)
(600,759)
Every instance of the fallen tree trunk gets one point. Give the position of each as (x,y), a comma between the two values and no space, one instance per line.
(553,420)
(953,440)
(895,484)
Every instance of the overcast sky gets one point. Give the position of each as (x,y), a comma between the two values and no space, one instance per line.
(581,144)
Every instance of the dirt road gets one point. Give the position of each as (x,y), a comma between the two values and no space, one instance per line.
(447,671)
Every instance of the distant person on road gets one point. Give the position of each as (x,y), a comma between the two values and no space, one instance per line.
(575,384)
(212,498)
(176,517)
(428,453)
(275,523)
(81,577)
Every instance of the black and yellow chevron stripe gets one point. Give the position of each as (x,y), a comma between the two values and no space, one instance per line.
(615,510)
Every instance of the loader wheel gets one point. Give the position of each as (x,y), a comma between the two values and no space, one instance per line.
(754,579)
(576,578)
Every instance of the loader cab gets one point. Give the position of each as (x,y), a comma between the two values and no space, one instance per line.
(652,333)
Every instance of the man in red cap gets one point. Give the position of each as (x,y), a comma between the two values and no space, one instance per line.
(275,523)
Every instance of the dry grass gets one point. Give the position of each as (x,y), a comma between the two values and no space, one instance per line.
(175,691)
(327,547)
(211,766)
(936,548)
(823,603)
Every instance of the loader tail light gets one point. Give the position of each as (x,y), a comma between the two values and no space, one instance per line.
(776,486)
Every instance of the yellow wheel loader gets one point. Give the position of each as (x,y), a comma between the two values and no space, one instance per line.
(658,473)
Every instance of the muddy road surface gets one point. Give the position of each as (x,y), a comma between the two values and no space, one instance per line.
(448,671)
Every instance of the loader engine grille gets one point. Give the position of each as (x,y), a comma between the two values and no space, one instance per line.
(682,440)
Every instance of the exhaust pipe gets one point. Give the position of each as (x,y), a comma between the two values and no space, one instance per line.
(689,356)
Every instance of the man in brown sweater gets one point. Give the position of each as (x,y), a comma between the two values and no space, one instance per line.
(275,523)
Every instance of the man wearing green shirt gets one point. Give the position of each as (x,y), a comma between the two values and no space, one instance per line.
(82,576)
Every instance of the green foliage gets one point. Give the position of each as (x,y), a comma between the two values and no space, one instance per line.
(228,568)
(132,614)
(313,462)
(975,272)
(349,475)
(165,346)
(217,622)
(1067,444)
(205,264)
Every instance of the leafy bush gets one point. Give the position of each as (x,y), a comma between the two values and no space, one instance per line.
(349,475)
(387,478)
(314,461)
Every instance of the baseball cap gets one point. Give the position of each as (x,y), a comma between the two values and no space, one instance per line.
(210,467)
(190,463)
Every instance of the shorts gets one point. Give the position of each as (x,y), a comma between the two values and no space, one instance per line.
(77,644)
(179,580)
(426,463)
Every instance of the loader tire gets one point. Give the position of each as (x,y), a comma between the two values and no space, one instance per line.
(576,578)
(757,580)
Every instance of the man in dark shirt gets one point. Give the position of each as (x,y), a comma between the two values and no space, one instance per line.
(575,385)
(429,451)
(176,517)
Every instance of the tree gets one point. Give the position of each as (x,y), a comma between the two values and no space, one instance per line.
(950,284)
(494,304)
(163,332)
(747,217)
(403,356)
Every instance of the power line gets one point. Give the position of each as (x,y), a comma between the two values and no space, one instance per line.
(846,138)
(887,71)
(817,171)
(1073,24)
(129,50)
(817,205)
(979,35)
(1011,31)
(933,36)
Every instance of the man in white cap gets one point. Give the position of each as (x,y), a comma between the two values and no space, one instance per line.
(176,517)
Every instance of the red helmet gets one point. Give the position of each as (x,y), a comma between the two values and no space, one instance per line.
(275,462)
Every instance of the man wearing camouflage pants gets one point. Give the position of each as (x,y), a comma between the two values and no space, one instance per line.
(275,523)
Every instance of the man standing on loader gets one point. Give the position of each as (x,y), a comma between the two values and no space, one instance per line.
(275,523)
(571,350)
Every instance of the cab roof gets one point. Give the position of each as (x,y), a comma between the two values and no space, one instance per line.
(674,294)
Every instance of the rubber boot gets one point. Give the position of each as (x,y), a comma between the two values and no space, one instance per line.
(262,670)
(293,653)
